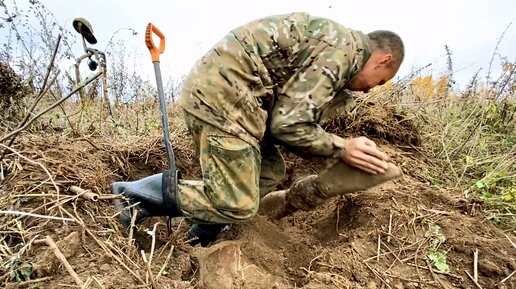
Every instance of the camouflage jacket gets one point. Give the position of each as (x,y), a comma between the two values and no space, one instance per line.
(283,75)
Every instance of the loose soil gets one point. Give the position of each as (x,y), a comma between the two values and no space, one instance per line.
(380,238)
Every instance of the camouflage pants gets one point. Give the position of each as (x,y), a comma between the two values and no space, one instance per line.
(235,175)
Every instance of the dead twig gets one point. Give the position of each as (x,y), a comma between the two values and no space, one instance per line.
(436,211)
(54,105)
(510,241)
(495,50)
(62,258)
(473,279)
(378,249)
(377,275)
(164,266)
(50,177)
(110,253)
(506,278)
(130,238)
(396,257)
(153,243)
(87,284)
(147,263)
(121,253)
(475,265)
(36,216)
(98,282)
(390,228)
(26,283)
(395,251)
(33,162)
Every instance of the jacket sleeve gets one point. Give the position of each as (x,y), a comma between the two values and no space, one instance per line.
(295,116)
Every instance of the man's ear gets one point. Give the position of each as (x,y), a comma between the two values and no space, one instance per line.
(386,58)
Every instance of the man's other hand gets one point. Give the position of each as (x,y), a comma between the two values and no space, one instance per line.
(362,153)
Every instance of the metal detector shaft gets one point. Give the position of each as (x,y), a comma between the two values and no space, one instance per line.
(164,116)
(155,52)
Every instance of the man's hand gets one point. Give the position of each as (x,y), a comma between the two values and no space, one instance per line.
(362,153)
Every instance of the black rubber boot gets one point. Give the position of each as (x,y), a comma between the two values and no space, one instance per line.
(204,234)
(156,194)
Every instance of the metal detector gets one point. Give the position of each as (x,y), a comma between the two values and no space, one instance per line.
(94,56)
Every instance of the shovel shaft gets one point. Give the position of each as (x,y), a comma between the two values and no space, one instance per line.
(155,52)
(164,116)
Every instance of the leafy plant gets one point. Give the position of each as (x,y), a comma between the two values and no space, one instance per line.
(435,254)
(438,259)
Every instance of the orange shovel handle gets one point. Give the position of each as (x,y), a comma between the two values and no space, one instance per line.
(154,51)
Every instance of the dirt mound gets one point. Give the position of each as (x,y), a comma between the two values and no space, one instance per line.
(392,236)
(377,121)
(92,163)
(35,179)
(380,238)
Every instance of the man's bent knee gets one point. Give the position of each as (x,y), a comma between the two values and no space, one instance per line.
(239,209)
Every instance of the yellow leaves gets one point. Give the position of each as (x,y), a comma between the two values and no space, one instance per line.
(426,87)
(443,86)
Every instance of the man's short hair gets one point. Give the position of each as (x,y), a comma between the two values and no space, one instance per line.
(389,42)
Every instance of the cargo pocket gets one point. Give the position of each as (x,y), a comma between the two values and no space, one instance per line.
(231,173)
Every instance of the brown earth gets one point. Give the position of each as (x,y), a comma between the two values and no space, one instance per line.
(380,238)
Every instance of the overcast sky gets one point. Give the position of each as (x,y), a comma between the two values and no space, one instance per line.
(471,28)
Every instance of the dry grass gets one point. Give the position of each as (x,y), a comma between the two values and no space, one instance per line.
(89,150)
(36,201)
(467,138)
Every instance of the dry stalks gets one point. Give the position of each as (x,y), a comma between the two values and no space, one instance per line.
(50,178)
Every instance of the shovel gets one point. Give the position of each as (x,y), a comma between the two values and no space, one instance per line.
(155,52)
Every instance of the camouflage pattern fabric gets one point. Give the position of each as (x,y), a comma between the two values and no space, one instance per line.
(274,79)
(273,168)
(233,180)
